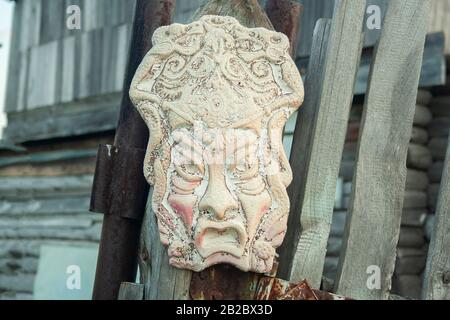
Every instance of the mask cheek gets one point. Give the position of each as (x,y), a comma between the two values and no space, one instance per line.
(255,207)
(183,205)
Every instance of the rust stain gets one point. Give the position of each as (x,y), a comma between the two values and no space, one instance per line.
(223,282)
(277,289)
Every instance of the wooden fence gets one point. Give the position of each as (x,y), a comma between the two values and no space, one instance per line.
(369,248)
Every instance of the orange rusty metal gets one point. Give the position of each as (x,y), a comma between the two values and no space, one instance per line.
(223,282)
(277,289)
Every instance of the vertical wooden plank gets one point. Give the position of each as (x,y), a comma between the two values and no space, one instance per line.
(115,12)
(41,85)
(302,139)
(122,55)
(21,89)
(107,58)
(112,78)
(96,55)
(129,11)
(52,20)
(318,144)
(24,8)
(432,21)
(31,22)
(131,291)
(446,28)
(102,6)
(14,67)
(67,3)
(107,7)
(90,13)
(122,12)
(68,69)
(78,56)
(162,281)
(375,209)
(437,273)
(85,66)
(59,70)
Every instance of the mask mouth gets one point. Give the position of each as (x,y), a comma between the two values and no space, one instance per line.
(220,237)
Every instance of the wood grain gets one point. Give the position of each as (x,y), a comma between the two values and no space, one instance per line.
(373,223)
(52,67)
(437,274)
(318,144)
(131,291)
(162,281)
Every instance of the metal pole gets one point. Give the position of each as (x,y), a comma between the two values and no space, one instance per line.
(120,190)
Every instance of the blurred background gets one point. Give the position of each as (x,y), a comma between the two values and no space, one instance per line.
(60,91)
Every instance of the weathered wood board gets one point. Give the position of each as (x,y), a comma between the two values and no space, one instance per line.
(432,70)
(441,20)
(380,175)
(302,143)
(318,144)
(162,281)
(437,274)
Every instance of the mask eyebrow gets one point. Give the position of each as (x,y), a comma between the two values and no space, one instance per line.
(244,139)
(242,147)
(187,150)
(187,142)
(184,156)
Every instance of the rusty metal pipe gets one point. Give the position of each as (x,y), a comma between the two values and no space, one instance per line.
(119,189)
(285,18)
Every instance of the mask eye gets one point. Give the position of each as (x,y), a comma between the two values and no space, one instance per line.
(192,169)
(253,186)
(244,171)
(182,186)
(242,167)
(190,172)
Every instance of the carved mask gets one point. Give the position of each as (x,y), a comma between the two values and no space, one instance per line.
(216,96)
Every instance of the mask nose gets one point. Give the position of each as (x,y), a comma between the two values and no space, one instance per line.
(217,199)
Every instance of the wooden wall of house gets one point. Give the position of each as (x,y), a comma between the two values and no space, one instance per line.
(44,200)
(63,82)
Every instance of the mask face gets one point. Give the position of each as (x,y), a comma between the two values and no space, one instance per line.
(216,96)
